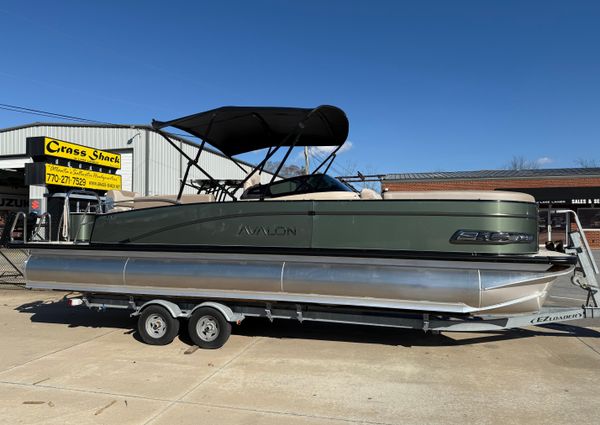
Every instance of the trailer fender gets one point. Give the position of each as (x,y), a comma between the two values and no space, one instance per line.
(170,306)
(227,312)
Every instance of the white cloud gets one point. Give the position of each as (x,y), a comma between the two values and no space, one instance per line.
(544,160)
(326,150)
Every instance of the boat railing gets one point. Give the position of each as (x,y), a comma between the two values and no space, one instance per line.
(579,229)
(165,200)
(34,228)
(13,226)
(43,228)
(65,223)
(577,244)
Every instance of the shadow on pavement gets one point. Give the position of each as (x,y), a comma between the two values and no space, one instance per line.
(59,313)
(397,337)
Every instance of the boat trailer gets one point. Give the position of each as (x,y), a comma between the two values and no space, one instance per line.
(209,322)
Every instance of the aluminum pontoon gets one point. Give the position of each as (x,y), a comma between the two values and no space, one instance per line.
(307,242)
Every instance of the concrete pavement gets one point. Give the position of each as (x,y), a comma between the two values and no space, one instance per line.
(67,365)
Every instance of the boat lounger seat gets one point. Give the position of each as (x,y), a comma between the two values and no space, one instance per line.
(125,201)
(164,200)
(121,199)
(317,196)
(365,194)
(460,195)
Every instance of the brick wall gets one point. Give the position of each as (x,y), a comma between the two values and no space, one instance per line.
(489,184)
(593,237)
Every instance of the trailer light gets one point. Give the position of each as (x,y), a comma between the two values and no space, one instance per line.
(74,302)
(489,237)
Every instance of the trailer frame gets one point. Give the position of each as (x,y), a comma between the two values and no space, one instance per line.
(235,312)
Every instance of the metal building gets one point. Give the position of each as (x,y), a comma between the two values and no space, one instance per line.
(149,164)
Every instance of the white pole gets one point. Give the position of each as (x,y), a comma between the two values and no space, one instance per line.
(306,161)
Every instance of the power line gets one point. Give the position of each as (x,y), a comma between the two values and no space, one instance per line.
(320,158)
(36,113)
(31,111)
(48,114)
(334,167)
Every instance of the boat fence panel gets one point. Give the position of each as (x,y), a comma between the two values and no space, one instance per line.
(12,264)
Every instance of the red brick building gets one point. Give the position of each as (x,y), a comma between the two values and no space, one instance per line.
(573,188)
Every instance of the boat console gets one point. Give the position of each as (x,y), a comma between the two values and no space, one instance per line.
(299,185)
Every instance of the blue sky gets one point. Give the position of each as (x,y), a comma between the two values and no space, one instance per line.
(427,85)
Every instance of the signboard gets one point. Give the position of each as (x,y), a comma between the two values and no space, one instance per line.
(48,146)
(563,196)
(58,175)
(85,179)
(13,202)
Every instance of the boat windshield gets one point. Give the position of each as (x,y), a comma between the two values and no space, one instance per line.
(296,186)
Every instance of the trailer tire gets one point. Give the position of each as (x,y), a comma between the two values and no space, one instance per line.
(156,326)
(208,328)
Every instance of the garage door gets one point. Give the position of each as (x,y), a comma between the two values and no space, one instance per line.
(126,170)
(14,163)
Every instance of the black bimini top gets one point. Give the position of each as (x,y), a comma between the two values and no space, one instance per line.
(239,129)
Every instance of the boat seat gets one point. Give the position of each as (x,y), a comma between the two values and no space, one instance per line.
(252,181)
(164,200)
(317,196)
(460,195)
(365,194)
(122,200)
(369,194)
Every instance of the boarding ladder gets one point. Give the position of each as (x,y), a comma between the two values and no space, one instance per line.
(586,269)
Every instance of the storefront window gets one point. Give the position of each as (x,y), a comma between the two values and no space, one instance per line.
(558,226)
(589,217)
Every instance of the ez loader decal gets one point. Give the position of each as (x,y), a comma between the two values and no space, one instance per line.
(557,317)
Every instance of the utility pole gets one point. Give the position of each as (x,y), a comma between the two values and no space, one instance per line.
(306,161)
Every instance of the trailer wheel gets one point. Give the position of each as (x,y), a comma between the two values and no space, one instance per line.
(208,328)
(156,326)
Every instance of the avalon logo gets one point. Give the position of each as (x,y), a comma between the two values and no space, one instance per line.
(246,230)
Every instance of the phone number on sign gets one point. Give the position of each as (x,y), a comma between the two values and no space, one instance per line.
(65,180)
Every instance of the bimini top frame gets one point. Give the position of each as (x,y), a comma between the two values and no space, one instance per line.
(236,130)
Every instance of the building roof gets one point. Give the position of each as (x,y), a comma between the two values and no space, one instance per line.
(495,174)
(123,126)
(71,124)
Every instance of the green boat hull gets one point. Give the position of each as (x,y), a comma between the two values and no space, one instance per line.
(390,225)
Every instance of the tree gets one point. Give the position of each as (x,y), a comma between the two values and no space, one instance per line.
(521,163)
(350,168)
(290,170)
(587,163)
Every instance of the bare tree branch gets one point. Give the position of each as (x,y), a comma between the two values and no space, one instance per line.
(587,163)
(521,163)
(290,170)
